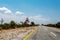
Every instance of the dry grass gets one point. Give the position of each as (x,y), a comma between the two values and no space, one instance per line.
(17,31)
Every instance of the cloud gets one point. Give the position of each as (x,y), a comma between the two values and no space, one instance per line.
(18,12)
(39,18)
(18,18)
(8,17)
(5,10)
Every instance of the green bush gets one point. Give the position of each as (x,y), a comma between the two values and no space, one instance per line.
(0,27)
(6,26)
(12,24)
(25,24)
(54,25)
(58,24)
(32,23)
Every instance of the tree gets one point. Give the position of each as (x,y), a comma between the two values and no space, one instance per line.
(42,24)
(32,23)
(12,24)
(58,24)
(6,26)
(26,23)
(1,25)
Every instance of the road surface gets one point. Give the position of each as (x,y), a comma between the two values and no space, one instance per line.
(45,33)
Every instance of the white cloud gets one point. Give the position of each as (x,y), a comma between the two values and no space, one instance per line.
(8,17)
(18,12)
(5,10)
(17,18)
(38,18)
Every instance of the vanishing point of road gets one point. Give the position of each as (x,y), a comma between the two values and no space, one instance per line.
(45,33)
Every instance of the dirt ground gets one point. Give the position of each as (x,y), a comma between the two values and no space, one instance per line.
(14,33)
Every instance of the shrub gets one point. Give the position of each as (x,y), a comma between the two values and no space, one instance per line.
(6,26)
(32,23)
(25,24)
(0,27)
(12,24)
(58,24)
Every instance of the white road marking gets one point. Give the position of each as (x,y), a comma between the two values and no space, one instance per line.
(53,34)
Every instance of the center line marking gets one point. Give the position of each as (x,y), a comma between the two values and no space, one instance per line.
(53,34)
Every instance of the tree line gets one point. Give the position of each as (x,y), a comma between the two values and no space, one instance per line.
(57,25)
(12,24)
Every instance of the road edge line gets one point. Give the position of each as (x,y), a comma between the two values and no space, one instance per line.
(29,34)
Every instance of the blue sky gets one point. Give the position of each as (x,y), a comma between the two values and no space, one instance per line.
(39,11)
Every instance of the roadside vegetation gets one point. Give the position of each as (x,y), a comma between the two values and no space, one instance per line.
(57,25)
(12,24)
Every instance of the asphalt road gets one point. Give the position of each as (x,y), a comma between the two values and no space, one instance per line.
(45,33)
